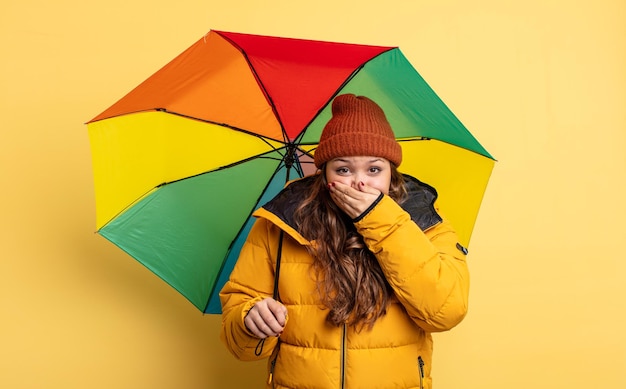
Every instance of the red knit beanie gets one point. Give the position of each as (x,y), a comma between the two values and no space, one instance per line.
(358,127)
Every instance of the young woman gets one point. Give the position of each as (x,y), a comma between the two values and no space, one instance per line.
(367,268)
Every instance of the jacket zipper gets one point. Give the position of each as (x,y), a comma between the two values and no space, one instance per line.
(273,357)
(420,363)
(270,379)
(344,335)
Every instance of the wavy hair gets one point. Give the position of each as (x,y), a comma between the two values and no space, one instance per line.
(349,279)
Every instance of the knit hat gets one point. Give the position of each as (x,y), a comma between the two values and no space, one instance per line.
(358,127)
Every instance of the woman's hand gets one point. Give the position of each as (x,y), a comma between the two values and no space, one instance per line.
(266,318)
(353,201)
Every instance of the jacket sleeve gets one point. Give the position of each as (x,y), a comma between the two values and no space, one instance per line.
(426,269)
(251,280)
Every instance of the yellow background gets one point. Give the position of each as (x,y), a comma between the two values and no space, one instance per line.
(542,84)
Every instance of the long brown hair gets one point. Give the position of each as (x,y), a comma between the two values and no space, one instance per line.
(349,279)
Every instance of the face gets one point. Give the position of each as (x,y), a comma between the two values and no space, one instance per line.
(372,171)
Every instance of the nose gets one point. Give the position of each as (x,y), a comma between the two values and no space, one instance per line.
(358,178)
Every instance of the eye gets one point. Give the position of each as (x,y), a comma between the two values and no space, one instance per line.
(375,169)
(342,170)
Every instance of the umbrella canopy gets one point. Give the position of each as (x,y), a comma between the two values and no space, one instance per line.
(182,161)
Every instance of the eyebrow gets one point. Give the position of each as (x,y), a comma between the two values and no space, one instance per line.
(369,161)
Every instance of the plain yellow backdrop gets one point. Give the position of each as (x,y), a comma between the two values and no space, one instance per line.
(542,84)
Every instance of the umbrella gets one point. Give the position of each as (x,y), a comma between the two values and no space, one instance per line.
(182,161)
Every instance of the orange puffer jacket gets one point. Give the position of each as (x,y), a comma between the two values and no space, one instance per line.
(420,256)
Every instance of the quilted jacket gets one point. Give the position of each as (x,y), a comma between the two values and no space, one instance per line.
(422,260)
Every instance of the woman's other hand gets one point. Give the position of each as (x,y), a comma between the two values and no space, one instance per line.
(266,318)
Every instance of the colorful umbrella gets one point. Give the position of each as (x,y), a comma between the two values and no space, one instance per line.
(182,161)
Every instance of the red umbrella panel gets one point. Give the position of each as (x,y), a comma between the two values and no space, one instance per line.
(182,161)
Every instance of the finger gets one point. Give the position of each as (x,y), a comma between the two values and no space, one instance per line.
(265,328)
(279,311)
(343,201)
(251,325)
(343,188)
(344,191)
(263,331)
(270,324)
(355,197)
(350,200)
(260,320)
(368,189)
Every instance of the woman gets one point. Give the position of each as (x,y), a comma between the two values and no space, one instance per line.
(367,268)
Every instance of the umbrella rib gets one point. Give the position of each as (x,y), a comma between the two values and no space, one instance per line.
(230,246)
(261,85)
(130,205)
(145,194)
(259,156)
(247,132)
(340,88)
(414,138)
